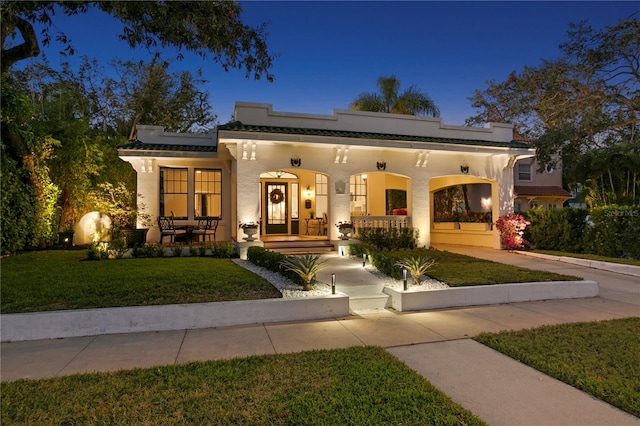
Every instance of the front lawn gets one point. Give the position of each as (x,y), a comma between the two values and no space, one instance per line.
(61,279)
(600,358)
(355,386)
(459,270)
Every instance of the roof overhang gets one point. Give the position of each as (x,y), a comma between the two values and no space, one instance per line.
(238,133)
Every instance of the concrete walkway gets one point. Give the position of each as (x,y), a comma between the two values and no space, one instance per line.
(435,343)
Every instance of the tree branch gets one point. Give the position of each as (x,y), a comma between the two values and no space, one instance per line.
(29,48)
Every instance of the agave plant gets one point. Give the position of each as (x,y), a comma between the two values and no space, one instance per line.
(417,266)
(305,266)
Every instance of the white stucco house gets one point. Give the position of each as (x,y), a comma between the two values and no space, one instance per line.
(299,174)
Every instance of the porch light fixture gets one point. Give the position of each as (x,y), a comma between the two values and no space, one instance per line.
(381,165)
(464,169)
(296,161)
(363,176)
(307,191)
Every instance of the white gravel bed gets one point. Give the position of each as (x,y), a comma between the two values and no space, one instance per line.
(288,288)
(426,283)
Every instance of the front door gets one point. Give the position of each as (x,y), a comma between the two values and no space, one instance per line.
(276,198)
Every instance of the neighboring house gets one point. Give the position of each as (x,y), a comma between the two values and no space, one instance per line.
(533,189)
(279,168)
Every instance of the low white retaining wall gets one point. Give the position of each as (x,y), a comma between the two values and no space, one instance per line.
(619,268)
(490,294)
(90,322)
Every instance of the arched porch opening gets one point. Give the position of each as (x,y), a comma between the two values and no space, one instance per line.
(380,199)
(463,210)
(294,202)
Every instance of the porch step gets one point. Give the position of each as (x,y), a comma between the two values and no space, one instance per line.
(300,247)
(369,303)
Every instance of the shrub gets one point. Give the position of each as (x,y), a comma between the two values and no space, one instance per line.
(416,265)
(511,227)
(561,229)
(306,267)
(271,260)
(389,239)
(613,231)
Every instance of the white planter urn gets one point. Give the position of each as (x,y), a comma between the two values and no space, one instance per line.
(344,233)
(250,232)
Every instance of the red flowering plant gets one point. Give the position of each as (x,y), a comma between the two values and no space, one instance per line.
(445,217)
(469,216)
(511,227)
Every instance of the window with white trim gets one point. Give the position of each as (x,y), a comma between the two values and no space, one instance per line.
(524,172)
(208,192)
(173,192)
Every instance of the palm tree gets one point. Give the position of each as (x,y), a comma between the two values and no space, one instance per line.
(410,102)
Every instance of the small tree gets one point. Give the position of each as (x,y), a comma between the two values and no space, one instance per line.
(417,266)
(306,267)
(117,202)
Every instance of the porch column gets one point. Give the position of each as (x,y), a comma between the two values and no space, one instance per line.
(339,202)
(421,211)
(503,192)
(247,194)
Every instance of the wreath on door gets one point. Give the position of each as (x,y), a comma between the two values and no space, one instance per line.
(276,196)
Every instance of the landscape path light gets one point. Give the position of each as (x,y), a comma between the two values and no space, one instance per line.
(404,278)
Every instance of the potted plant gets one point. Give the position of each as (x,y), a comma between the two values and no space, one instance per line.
(345,228)
(250,229)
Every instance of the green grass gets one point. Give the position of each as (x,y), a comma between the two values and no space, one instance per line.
(60,279)
(600,358)
(633,262)
(459,270)
(356,386)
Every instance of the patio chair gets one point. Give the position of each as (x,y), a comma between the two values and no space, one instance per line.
(207,227)
(168,229)
(325,224)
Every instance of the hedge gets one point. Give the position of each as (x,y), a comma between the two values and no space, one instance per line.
(271,260)
(612,231)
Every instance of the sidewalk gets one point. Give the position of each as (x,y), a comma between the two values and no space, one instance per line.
(435,343)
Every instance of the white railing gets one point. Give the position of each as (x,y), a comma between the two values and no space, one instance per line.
(385,222)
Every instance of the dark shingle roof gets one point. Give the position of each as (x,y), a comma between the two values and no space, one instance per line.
(540,191)
(141,146)
(238,126)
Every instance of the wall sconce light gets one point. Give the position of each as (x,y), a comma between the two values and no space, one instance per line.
(464,169)
(363,176)
(296,161)
(307,191)
(381,165)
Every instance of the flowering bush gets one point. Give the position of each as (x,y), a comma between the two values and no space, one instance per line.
(343,225)
(511,229)
(245,225)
